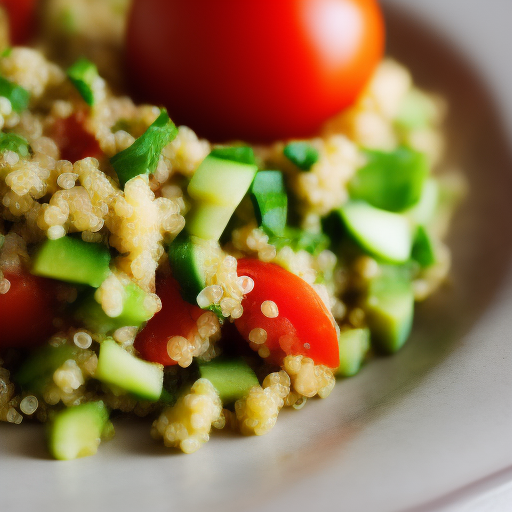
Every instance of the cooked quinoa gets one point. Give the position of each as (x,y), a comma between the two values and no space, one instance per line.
(45,196)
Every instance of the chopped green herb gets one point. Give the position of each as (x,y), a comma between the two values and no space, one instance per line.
(142,156)
(17,95)
(83,74)
(7,51)
(302,154)
(14,142)
(215,308)
(423,250)
(240,154)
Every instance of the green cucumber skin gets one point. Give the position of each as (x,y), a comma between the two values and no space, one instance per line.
(118,368)
(76,431)
(372,229)
(232,378)
(353,345)
(423,249)
(72,260)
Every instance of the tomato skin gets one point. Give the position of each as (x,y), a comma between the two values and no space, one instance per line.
(27,311)
(22,19)
(73,140)
(258,70)
(304,325)
(176,318)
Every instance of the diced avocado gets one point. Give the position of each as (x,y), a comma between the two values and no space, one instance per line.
(76,431)
(143,155)
(82,74)
(72,260)
(17,95)
(423,248)
(217,188)
(187,255)
(423,212)
(270,201)
(232,378)
(134,312)
(353,344)
(390,181)
(129,373)
(37,371)
(382,234)
(302,154)
(389,307)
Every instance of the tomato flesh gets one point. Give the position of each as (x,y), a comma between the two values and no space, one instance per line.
(27,311)
(258,70)
(73,140)
(176,318)
(22,20)
(304,325)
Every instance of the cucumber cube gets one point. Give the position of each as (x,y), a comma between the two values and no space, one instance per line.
(353,344)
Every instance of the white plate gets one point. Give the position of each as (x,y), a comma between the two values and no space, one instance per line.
(429,429)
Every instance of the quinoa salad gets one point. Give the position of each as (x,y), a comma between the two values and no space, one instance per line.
(147,271)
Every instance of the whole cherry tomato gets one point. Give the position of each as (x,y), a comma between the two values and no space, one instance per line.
(21,15)
(303,325)
(254,69)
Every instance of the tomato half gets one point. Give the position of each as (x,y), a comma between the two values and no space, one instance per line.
(21,19)
(27,311)
(304,326)
(254,69)
(176,318)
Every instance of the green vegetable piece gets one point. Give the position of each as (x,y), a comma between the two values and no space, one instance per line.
(72,260)
(83,73)
(232,378)
(217,188)
(15,143)
(142,156)
(416,111)
(423,248)
(134,312)
(389,307)
(37,371)
(6,52)
(380,233)
(300,239)
(240,154)
(302,154)
(424,211)
(17,95)
(187,255)
(391,181)
(353,344)
(124,371)
(76,432)
(270,201)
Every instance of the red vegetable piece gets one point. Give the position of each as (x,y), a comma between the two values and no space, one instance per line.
(74,141)
(176,318)
(22,20)
(304,325)
(27,311)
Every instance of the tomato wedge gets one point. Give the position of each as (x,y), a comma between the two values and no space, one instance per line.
(304,325)
(27,311)
(176,318)
(74,141)
(22,19)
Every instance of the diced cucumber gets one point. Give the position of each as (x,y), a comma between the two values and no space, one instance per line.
(72,260)
(423,212)
(423,249)
(353,344)
(270,201)
(187,255)
(302,154)
(301,240)
(389,307)
(390,181)
(232,378)
(217,188)
(37,371)
(382,234)
(134,312)
(76,432)
(416,111)
(129,373)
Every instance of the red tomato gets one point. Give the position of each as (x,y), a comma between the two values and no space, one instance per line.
(176,318)
(21,19)
(27,311)
(254,69)
(304,325)
(74,141)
